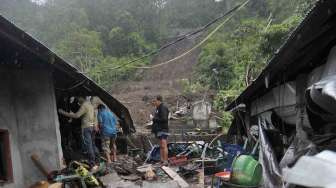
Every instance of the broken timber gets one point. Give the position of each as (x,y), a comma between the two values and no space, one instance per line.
(35,158)
(175,176)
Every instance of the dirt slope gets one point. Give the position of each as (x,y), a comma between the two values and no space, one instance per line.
(163,80)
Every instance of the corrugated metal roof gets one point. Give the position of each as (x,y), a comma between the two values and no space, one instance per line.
(65,75)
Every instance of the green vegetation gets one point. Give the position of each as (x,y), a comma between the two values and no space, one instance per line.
(235,57)
(98,36)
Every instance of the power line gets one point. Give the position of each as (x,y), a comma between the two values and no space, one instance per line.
(196,46)
(187,36)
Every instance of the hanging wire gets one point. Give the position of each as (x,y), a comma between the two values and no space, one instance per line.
(186,36)
(199,44)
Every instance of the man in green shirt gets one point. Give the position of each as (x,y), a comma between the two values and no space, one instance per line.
(87,115)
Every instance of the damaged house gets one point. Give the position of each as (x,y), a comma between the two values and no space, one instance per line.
(293,101)
(32,78)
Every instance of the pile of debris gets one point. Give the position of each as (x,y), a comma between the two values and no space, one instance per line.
(191,164)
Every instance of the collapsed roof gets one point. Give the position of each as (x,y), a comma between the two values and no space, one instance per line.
(19,50)
(306,48)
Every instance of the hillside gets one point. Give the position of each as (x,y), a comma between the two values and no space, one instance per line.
(164,80)
(101,37)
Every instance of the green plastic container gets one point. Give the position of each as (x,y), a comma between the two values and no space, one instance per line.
(246,171)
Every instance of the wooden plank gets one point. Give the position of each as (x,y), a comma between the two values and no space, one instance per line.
(144,168)
(56,185)
(39,165)
(171,173)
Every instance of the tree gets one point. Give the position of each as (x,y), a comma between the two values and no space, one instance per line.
(82,47)
(236,56)
(99,35)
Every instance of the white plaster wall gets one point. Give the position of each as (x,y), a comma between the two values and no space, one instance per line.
(27,101)
(8,120)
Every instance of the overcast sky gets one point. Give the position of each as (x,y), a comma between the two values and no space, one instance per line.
(40,2)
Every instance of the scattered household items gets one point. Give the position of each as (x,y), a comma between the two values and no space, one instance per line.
(191,164)
(76,172)
(225,175)
(231,151)
(220,177)
(246,171)
(178,160)
(182,111)
(150,174)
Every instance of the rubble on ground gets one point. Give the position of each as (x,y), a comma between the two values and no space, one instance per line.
(191,164)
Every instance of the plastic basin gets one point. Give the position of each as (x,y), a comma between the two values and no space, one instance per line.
(226,175)
(246,171)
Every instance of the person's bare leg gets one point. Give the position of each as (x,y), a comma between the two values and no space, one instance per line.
(106,144)
(165,150)
(114,150)
(161,151)
(108,157)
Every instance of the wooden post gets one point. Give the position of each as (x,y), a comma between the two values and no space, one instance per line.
(39,165)
(247,122)
(301,85)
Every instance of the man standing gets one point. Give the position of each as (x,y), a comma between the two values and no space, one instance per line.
(160,127)
(65,129)
(86,113)
(107,125)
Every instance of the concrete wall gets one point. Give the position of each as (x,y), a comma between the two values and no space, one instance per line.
(8,121)
(201,113)
(28,111)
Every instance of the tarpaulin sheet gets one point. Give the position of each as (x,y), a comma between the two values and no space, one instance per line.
(271,170)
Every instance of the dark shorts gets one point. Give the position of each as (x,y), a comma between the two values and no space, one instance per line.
(162,135)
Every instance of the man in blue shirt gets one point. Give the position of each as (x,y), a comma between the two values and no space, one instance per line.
(108,127)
